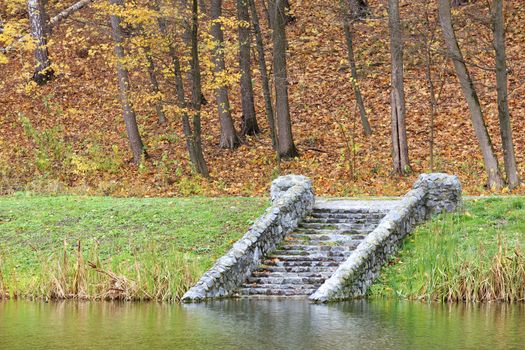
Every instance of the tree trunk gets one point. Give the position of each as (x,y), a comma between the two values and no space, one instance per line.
(202,5)
(458,3)
(264,73)
(197,99)
(155,87)
(271,12)
(399,136)
(347,22)
(249,119)
(229,138)
(432,100)
(287,147)
(183,8)
(193,136)
(359,9)
(503,105)
(135,141)
(39,32)
(53,22)
(476,114)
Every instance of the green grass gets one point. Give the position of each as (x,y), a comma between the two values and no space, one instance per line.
(102,247)
(474,255)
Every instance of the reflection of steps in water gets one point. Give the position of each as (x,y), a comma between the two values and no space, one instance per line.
(310,254)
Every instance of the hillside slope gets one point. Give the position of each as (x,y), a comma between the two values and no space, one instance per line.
(69,135)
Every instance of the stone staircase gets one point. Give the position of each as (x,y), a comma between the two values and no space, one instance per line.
(309,255)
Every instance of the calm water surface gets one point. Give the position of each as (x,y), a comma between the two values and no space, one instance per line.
(260,324)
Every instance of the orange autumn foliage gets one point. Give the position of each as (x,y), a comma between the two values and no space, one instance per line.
(70,133)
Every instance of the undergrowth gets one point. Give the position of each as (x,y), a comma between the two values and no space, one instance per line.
(71,247)
(82,275)
(472,256)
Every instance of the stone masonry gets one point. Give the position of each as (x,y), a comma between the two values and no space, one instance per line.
(292,199)
(432,193)
(310,254)
(330,250)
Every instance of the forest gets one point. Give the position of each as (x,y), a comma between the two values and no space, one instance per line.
(216,98)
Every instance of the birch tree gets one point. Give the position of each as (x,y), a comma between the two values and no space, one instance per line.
(36,10)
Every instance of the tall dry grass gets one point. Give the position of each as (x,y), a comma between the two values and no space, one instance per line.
(3,290)
(471,256)
(500,277)
(81,275)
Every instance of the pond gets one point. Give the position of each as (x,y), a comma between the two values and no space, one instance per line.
(260,324)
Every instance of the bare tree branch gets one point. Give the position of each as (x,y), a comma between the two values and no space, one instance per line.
(68,12)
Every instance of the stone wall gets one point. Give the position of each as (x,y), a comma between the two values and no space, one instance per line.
(292,199)
(432,193)
(443,192)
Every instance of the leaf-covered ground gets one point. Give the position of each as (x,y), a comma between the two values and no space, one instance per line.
(70,136)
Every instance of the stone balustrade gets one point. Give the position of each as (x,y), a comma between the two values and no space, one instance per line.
(292,199)
(432,193)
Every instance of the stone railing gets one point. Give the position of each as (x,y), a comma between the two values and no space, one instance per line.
(432,193)
(292,199)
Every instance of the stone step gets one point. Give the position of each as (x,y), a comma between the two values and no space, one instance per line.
(326,237)
(351,244)
(284,280)
(298,252)
(312,248)
(346,231)
(352,211)
(334,226)
(290,286)
(304,263)
(306,273)
(275,291)
(346,216)
(330,220)
(313,257)
(297,269)
(310,254)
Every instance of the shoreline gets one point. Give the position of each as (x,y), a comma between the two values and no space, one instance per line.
(140,275)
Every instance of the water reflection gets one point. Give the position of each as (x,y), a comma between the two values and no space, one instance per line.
(260,324)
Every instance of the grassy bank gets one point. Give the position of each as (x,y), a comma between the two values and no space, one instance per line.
(102,247)
(475,255)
